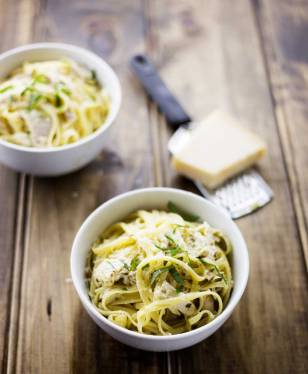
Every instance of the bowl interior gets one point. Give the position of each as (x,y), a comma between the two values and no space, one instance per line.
(118,208)
(54,51)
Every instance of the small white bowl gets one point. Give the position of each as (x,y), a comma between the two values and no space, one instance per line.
(118,208)
(67,158)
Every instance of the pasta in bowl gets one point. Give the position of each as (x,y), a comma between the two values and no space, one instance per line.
(157,273)
(167,286)
(57,105)
(51,103)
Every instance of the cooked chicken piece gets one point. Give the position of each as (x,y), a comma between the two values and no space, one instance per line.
(165,291)
(40,127)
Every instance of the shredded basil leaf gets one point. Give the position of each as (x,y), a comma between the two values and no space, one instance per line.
(190,263)
(176,248)
(161,248)
(66,91)
(176,226)
(58,100)
(171,239)
(93,75)
(176,276)
(185,215)
(157,273)
(4,89)
(135,262)
(220,274)
(34,99)
(172,250)
(41,78)
(29,88)
(175,251)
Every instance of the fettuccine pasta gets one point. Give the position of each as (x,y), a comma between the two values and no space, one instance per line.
(157,273)
(50,104)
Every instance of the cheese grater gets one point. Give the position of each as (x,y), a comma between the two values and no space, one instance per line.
(240,195)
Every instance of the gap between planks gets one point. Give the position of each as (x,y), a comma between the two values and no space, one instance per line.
(153,113)
(24,202)
(265,36)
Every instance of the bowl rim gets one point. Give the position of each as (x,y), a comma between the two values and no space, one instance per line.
(88,54)
(92,309)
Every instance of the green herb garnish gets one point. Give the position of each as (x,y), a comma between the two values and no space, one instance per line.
(126,266)
(4,89)
(173,250)
(41,78)
(174,273)
(215,267)
(171,239)
(176,226)
(161,248)
(66,91)
(157,273)
(190,263)
(185,215)
(29,88)
(58,100)
(176,276)
(93,75)
(135,262)
(34,100)
(176,248)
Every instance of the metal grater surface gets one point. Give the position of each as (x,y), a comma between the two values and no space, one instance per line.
(240,195)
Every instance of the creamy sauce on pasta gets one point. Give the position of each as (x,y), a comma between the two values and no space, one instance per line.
(159,274)
(51,103)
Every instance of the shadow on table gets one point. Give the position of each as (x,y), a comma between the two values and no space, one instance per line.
(96,352)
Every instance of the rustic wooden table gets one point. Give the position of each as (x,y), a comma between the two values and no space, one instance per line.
(249,57)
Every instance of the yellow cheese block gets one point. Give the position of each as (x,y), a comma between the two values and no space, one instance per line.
(218,149)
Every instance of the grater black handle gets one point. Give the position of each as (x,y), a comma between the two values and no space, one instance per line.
(158,91)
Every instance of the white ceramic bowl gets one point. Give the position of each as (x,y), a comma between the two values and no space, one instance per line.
(67,158)
(117,209)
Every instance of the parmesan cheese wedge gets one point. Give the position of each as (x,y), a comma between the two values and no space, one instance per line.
(218,149)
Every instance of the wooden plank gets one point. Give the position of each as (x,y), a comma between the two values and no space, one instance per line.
(210,55)
(283,27)
(12,190)
(8,205)
(55,334)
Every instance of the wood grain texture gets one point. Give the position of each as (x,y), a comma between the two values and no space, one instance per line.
(284,28)
(8,205)
(55,334)
(210,55)
(12,189)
